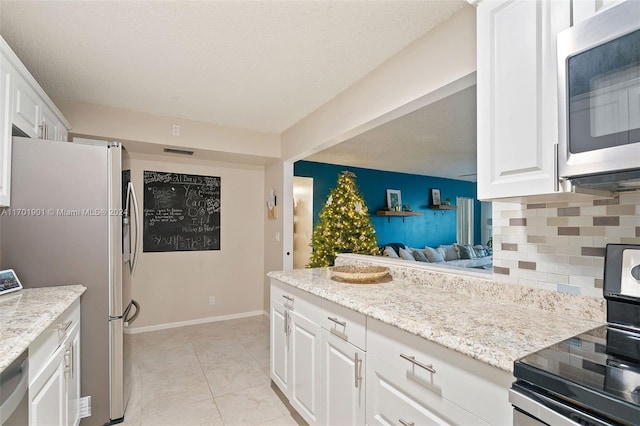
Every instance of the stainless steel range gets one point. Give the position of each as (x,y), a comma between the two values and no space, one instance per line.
(592,378)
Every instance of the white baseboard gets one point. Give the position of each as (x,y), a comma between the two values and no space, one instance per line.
(136,330)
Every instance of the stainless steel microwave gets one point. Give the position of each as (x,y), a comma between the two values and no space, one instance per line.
(599,99)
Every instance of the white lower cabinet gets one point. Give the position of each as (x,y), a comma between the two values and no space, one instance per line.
(54,372)
(47,399)
(296,349)
(344,381)
(338,367)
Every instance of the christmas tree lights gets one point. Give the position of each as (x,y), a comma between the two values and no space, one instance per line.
(344,227)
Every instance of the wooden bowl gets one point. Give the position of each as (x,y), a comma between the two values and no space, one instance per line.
(359,274)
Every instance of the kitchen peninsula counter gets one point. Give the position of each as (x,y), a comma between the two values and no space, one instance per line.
(26,313)
(463,314)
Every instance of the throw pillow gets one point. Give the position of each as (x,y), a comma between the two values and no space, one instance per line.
(480,251)
(433,255)
(465,251)
(406,254)
(419,255)
(450,252)
(390,252)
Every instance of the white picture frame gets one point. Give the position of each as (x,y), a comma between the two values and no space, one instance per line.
(394,200)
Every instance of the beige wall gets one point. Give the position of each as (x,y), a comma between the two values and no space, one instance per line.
(174,287)
(273,250)
(120,124)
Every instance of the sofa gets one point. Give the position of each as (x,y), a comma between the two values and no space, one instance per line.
(459,255)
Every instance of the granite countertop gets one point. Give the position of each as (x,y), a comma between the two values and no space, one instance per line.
(494,332)
(26,313)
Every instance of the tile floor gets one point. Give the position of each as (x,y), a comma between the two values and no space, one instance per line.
(207,374)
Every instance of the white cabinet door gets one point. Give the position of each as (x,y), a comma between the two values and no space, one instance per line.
(279,347)
(47,394)
(517,95)
(305,388)
(73,378)
(50,124)
(27,108)
(344,386)
(7,75)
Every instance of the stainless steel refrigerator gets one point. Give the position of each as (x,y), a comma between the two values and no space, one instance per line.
(65,226)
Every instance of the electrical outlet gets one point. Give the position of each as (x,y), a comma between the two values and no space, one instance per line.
(212,300)
(175,130)
(85,407)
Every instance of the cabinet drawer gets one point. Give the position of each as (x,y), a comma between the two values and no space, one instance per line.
(345,323)
(394,399)
(473,385)
(46,344)
(304,304)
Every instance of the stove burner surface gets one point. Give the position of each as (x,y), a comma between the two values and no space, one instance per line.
(598,370)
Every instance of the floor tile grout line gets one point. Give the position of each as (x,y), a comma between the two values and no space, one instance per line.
(213,399)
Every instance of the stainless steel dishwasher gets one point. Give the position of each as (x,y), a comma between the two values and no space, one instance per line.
(14,395)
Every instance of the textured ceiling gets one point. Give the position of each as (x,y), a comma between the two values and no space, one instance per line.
(259,65)
(436,140)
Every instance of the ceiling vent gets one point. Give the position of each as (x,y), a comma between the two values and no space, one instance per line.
(178,151)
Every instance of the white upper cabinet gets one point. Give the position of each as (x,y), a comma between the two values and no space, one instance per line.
(25,105)
(7,75)
(517,95)
(584,9)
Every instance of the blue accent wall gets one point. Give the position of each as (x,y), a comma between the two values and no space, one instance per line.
(433,228)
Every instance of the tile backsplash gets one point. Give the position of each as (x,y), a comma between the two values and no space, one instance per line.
(560,245)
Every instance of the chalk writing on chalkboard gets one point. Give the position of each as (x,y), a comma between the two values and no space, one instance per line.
(181,212)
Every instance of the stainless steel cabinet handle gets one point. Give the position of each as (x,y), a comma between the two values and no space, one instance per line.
(412,359)
(357,367)
(556,178)
(406,423)
(131,192)
(286,315)
(73,358)
(342,323)
(289,298)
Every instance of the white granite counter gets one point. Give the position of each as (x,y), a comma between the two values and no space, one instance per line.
(496,332)
(26,313)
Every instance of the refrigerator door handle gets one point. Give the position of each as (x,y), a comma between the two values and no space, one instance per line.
(128,321)
(131,195)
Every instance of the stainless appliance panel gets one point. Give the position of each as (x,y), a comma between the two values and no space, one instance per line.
(116,367)
(14,395)
(62,243)
(120,296)
(611,155)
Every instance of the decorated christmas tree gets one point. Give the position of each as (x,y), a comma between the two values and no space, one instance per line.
(344,227)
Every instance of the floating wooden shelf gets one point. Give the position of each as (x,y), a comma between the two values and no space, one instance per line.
(442,208)
(391,213)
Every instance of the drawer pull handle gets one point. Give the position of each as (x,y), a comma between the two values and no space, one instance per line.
(64,326)
(289,298)
(406,423)
(412,359)
(342,323)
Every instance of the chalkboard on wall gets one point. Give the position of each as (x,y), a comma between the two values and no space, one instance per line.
(181,212)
